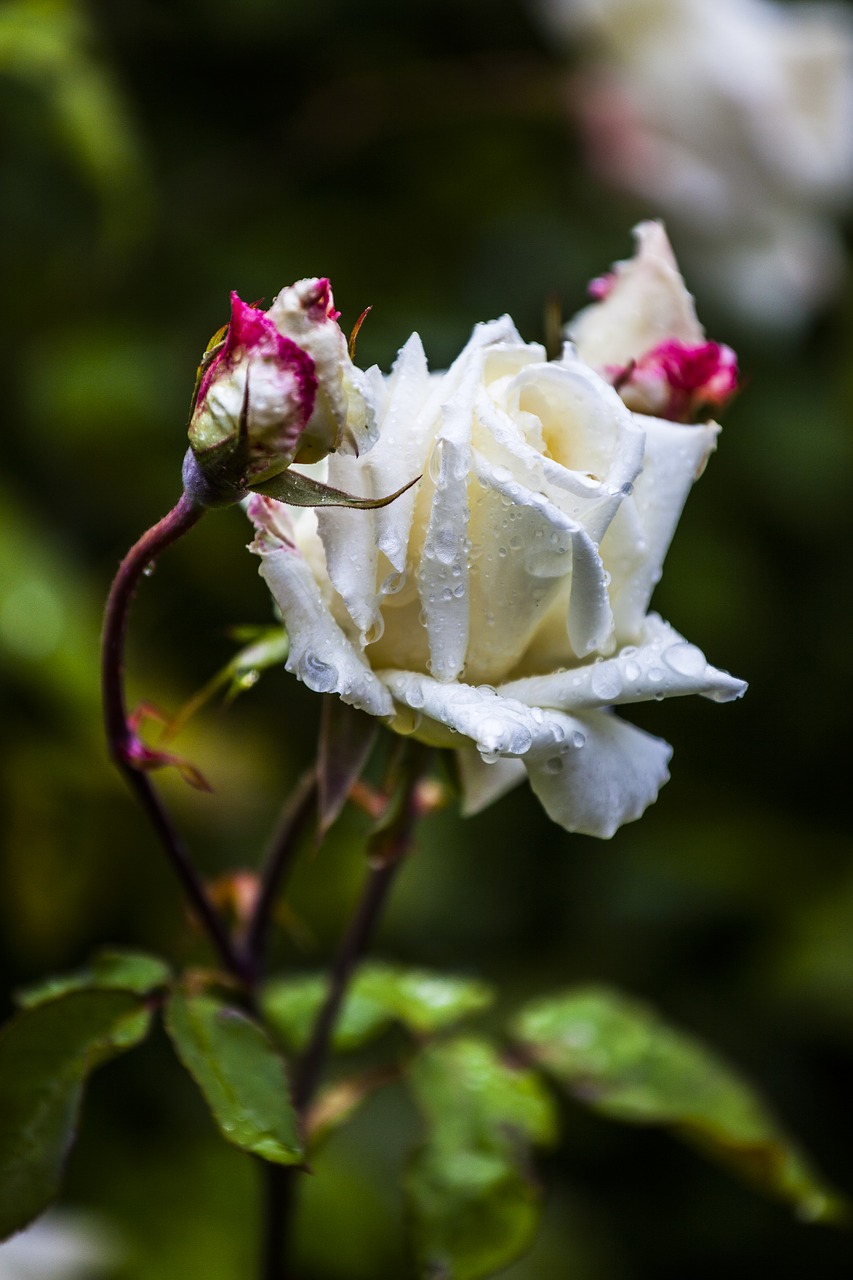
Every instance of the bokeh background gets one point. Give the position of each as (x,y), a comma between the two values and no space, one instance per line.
(157,154)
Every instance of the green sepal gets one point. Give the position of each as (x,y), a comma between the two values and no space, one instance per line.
(46,1054)
(346,739)
(617,1056)
(240,1074)
(423,1002)
(108,970)
(473,1199)
(267,647)
(299,490)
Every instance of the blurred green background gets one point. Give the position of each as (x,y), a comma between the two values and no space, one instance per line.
(156,155)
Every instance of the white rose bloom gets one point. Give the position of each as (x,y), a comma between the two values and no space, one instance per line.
(501,606)
(735,119)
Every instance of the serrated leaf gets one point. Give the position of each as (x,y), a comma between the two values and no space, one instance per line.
(380,994)
(239,1073)
(46,1054)
(474,1202)
(617,1056)
(291,1005)
(109,970)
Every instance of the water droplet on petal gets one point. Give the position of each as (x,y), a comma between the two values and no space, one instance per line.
(606,681)
(320,676)
(685,659)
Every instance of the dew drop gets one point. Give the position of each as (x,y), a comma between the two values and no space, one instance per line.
(685,659)
(320,676)
(606,681)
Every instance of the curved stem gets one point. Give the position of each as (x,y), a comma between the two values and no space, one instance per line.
(173,526)
(124,746)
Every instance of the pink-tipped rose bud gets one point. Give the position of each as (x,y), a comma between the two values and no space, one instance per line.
(277,387)
(678,380)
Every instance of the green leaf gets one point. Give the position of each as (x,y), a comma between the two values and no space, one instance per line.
(46,1053)
(475,1205)
(131,971)
(423,1002)
(299,490)
(240,1074)
(617,1056)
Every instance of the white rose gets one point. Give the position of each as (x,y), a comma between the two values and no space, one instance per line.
(735,119)
(501,606)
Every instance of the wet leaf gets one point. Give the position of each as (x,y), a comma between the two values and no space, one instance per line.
(46,1054)
(113,970)
(240,1074)
(474,1201)
(380,994)
(299,490)
(617,1056)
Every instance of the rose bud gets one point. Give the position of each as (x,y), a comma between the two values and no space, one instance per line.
(275,387)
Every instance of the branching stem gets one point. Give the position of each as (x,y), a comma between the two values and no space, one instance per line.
(386,854)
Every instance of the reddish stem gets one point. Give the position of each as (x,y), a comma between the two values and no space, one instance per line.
(122,742)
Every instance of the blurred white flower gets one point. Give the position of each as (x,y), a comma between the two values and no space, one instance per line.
(501,606)
(733,118)
(61,1245)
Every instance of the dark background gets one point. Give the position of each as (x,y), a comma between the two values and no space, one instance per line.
(156,156)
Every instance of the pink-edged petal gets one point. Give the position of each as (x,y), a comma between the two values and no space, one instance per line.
(662,665)
(647,303)
(483,784)
(635,545)
(607,781)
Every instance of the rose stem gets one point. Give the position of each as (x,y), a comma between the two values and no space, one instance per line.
(121,737)
(279,859)
(386,851)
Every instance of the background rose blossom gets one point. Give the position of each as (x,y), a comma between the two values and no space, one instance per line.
(733,118)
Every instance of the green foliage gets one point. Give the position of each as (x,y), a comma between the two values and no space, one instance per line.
(617,1056)
(48,44)
(238,1071)
(114,970)
(380,994)
(46,1054)
(474,1202)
